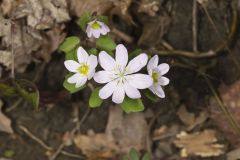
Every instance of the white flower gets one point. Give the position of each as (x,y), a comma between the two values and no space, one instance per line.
(96,28)
(84,69)
(156,72)
(120,77)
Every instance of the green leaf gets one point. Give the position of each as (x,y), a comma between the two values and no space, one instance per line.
(132,105)
(133,154)
(93,51)
(125,157)
(104,19)
(69,44)
(7,90)
(84,19)
(135,53)
(151,96)
(28,91)
(71,87)
(105,43)
(95,100)
(146,156)
(8,153)
(72,55)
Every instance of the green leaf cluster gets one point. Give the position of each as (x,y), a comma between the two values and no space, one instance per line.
(134,155)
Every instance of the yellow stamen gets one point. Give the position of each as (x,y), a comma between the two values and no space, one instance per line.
(155,77)
(95,25)
(83,69)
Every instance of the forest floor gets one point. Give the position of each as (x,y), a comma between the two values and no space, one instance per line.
(198,119)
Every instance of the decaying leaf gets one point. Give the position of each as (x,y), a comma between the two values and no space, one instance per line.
(234,155)
(202,144)
(123,132)
(5,122)
(5,58)
(189,119)
(78,7)
(42,14)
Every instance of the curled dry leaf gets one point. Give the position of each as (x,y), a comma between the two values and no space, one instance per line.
(189,119)
(5,122)
(202,144)
(123,132)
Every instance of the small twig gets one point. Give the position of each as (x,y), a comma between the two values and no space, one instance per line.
(194,26)
(39,141)
(211,52)
(12,51)
(45,146)
(14,105)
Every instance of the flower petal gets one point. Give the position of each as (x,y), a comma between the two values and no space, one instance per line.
(89,31)
(74,78)
(71,65)
(92,61)
(157,90)
(81,82)
(152,64)
(91,73)
(163,68)
(106,61)
(107,90)
(139,81)
(131,91)
(163,81)
(103,77)
(96,33)
(82,55)
(121,55)
(137,63)
(118,94)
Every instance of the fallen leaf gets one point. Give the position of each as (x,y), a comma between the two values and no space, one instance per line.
(5,122)
(234,155)
(189,119)
(202,144)
(122,133)
(78,7)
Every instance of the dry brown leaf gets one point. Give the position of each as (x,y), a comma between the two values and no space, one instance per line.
(202,144)
(5,58)
(189,119)
(5,122)
(78,7)
(42,14)
(122,133)
(234,155)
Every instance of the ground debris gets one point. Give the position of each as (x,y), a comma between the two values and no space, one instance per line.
(122,133)
(189,119)
(199,144)
(5,122)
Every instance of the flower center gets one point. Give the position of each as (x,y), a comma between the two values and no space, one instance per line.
(95,25)
(155,77)
(83,69)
